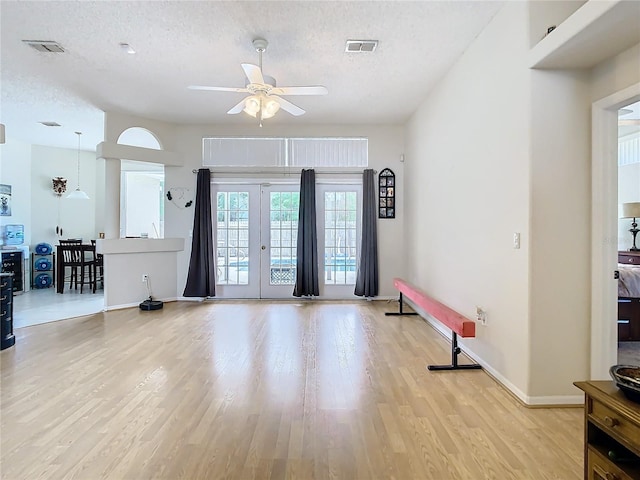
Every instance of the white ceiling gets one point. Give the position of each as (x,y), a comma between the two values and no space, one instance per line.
(181,43)
(629,117)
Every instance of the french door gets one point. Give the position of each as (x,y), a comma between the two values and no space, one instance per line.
(256,231)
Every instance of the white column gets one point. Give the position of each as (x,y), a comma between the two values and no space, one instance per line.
(112,198)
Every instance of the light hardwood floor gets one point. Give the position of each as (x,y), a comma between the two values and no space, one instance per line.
(243,390)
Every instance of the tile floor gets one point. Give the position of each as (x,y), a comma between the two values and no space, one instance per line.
(45,305)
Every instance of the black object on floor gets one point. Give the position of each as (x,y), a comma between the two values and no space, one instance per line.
(151,304)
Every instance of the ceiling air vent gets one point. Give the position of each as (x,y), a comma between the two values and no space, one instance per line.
(361,46)
(50,124)
(45,46)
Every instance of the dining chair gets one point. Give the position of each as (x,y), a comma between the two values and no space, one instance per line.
(98,267)
(81,261)
(70,258)
(87,266)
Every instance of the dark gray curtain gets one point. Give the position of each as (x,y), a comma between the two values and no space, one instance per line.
(367,278)
(307,261)
(201,280)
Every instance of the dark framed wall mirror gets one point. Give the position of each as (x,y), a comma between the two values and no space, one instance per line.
(386,194)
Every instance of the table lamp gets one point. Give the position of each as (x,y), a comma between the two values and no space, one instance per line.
(632,210)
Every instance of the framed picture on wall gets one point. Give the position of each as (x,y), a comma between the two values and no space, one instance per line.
(5,200)
(386,194)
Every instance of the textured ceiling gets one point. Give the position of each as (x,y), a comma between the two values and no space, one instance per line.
(181,43)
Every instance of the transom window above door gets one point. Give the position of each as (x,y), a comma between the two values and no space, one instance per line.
(337,152)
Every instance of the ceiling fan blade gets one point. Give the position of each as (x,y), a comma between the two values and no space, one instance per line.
(287,106)
(310,90)
(238,108)
(253,73)
(218,89)
(630,121)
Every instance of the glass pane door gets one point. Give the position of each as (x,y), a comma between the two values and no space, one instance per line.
(237,239)
(339,214)
(280,204)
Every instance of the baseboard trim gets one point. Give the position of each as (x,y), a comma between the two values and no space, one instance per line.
(546,401)
(321,299)
(136,304)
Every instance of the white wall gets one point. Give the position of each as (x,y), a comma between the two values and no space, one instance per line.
(127,260)
(615,74)
(15,170)
(560,183)
(467,183)
(100,186)
(543,15)
(77,218)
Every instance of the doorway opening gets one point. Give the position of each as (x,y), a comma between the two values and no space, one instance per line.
(604,212)
(628,253)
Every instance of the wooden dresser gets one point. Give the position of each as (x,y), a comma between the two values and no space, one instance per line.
(630,258)
(611,433)
(629,308)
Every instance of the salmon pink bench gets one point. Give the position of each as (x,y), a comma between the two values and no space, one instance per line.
(458,324)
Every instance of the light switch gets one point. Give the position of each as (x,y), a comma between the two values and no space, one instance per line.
(516,240)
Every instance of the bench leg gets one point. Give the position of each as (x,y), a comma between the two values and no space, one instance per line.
(455,350)
(400,312)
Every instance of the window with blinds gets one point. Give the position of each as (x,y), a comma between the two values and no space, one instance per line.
(285,152)
(629,150)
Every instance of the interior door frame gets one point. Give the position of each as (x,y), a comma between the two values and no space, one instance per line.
(604,229)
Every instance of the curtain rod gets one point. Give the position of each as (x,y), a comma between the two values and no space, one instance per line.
(279,172)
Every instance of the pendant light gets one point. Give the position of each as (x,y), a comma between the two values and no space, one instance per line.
(78,194)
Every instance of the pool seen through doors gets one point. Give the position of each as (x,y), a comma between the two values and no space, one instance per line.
(256,232)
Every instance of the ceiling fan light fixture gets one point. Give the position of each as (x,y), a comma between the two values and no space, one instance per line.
(252,105)
(261,103)
(270,108)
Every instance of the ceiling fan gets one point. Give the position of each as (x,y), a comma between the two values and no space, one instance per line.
(264,99)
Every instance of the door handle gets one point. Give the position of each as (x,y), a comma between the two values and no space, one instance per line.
(616,275)
(263,247)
